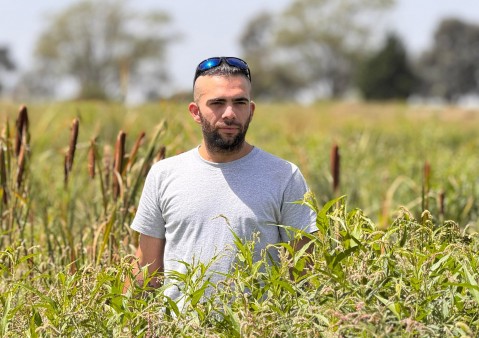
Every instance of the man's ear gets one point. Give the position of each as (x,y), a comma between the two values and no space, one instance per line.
(194,112)
(252,108)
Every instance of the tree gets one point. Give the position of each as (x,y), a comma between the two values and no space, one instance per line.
(450,68)
(312,46)
(104,46)
(387,74)
(6,63)
(271,80)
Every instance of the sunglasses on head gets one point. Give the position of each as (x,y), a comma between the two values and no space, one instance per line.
(216,61)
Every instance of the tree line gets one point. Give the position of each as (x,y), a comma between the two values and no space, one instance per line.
(313,49)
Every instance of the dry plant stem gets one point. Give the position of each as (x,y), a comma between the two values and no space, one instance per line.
(102,179)
(3,176)
(426,185)
(134,151)
(91,159)
(18,213)
(118,165)
(442,205)
(73,261)
(161,154)
(22,129)
(335,168)
(335,173)
(21,143)
(146,162)
(9,152)
(21,166)
(107,165)
(70,155)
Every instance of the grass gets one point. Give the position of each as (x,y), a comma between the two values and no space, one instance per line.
(414,279)
(384,264)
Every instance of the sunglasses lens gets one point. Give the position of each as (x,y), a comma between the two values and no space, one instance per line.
(208,64)
(238,63)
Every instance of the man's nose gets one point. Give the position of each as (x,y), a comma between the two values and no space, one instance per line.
(229,113)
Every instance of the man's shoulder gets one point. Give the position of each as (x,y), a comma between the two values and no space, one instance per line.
(175,161)
(271,159)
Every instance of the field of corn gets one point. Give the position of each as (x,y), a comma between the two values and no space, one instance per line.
(397,194)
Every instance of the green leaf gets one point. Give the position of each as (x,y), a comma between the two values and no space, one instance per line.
(6,313)
(439,263)
(106,235)
(393,307)
(197,294)
(234,321)
(472,283)
(337,258)
(322,220)
(172,306)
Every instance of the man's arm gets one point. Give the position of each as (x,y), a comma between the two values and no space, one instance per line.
(300,243)
(150,252)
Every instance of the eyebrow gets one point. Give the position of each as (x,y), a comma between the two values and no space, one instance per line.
(241,99)
(215,100)
(220,99)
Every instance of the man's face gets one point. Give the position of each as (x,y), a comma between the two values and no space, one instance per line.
(223,108)
(224,138)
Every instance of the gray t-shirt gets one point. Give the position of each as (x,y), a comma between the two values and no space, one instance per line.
(196,205)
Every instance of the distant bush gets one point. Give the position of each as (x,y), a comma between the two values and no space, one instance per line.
(387,74)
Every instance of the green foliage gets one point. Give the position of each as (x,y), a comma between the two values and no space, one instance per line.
(382,265)
(449,67)
(313,46)
(387,75)
(105,47)
(416,278)
(6,63)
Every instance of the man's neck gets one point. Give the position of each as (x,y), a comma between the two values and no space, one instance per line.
(223,157)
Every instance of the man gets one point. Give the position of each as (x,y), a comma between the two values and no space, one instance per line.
(193,203)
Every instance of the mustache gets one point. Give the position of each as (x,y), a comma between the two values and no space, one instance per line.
(229,124)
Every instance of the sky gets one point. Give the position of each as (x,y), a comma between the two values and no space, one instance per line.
(213,27)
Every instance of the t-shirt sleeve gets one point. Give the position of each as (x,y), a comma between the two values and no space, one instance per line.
(293,214)
(148,219)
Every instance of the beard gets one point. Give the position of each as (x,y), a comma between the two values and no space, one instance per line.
(216,143)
